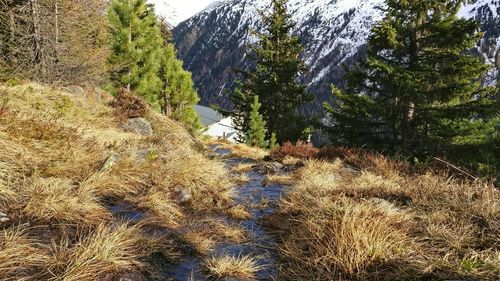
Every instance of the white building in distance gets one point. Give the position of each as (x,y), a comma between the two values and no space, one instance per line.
(217,125)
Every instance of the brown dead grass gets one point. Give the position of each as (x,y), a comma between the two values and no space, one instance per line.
(52,149)
(300,150)
(232,266)
(243,167)
(239,212)
(284,179)
(383,223)
(20,257)
(203,234)
(239,150)
(98,255)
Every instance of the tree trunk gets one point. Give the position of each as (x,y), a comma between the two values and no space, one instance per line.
(12,38)
(129,43)
(57,32)
(39,55)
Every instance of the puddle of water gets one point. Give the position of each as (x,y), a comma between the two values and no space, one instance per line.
(260,200)
(125,212)
(188,270)
(217,151)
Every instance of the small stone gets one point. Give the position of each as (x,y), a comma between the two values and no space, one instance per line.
(3,218)
(146,154)
(184,195)
(75,91)
(272,168)
(139,126)
(386,205)
(110,162)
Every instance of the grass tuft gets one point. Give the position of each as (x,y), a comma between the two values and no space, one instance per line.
(232,266)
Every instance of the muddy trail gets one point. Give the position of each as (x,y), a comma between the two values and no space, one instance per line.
(259,198)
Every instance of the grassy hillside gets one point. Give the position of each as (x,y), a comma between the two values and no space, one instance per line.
(65,159)
(352,215)
(84,196)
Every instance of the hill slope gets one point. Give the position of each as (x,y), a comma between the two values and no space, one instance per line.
(73,170)
(334,33)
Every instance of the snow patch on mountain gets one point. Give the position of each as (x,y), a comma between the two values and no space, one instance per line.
(334,33)
(176,11)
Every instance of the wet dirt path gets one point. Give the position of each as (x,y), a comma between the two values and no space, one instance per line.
(260,200)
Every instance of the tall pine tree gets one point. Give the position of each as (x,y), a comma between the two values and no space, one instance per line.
(274,78)
(179,95)
(419,90)
(136,48)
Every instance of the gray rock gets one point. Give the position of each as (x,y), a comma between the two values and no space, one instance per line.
(272,168)
(146,154)
(3,218)
(184,195)
(350,169)
(389,206)
(110,162)
(139,126)
(75,91)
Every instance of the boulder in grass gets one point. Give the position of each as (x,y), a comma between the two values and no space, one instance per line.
(139,126)
(110,162)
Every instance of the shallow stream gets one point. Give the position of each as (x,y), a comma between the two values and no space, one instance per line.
(259,199)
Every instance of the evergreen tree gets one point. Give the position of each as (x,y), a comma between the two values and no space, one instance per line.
(274,78)
(179,96)
(136,48)
(256,134)
(273,142)
(419,90)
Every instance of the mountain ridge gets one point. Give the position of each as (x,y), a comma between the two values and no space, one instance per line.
(334,33)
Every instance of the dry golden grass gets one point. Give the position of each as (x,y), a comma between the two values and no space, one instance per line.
(291,161)
(52,150)
(239,212)
(239,150)
(241,178)
(383,224)
(203,234)
(58,200)
(160,203)
(98,255)
(243,167)
(202,242)
(20,257)
(232,266)
(283,179)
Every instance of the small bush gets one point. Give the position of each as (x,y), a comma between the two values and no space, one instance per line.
(128,105)
(301,150)
(232,266)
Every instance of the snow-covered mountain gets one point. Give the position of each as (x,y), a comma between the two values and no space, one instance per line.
(165,9)
(176,11)
(334,33)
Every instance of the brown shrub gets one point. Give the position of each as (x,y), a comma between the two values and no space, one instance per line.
(128,105)
(301,150)
(363,159)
